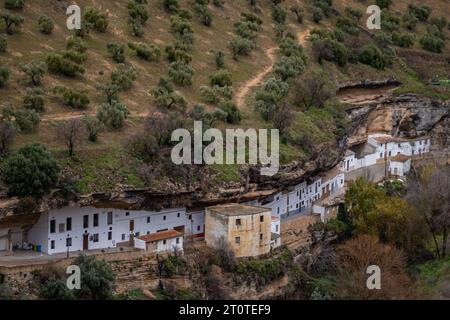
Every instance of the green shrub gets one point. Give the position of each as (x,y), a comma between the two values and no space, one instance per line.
(354,13)
(203,13)
(116,51)
(409,21)
(221,78)
(93,126)
(404,40)
(219,58)
(165,95)
(383,3)
(113,115)
(96,19)
(34,100)
(181,73)
(46,24)
(30,171)
(58,64)
(123,77)
(12,22)
(76,44)
(14,4)
(279,14)
(4,76)
(35,71)
(234,115)
(97,278)
(420,12)
(317,14)
(432,43)
(171,6)
(241,46)
(330,50)
(3,44)
(177,53)
(75,99)
(145,52)
(26,120)
(372,56)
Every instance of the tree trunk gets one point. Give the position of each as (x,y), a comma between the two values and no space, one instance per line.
(434,237)
(444,242)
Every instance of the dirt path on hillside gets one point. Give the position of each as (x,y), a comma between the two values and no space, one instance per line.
(244,89)
(79,114)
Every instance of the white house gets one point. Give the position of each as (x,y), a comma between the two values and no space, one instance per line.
(399,165)
(275,230)
(162,241)
(87,228)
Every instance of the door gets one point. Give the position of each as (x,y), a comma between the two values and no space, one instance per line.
(85,241)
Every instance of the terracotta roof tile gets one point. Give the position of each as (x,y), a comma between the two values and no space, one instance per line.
(162,235)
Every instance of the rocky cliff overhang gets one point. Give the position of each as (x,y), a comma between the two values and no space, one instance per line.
(406,116)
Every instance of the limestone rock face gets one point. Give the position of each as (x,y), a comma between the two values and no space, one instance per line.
(404,116)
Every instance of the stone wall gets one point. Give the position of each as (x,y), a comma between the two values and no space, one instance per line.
(294,231)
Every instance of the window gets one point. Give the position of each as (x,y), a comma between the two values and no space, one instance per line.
(164,241)
(95,219)
(52,244)
(190,217)
(110,217)
(238,222)
(178,240)
(86,221)
(52,226)
(127,213)
(95,237)
(137,234)
(109,235)
(237,240)
(164,218)
(276,228)
(148,219)
(69,224)
(261,236)
(68,242)
(62,227)
(261,218)
(123,236)
(178,215)
(198,228)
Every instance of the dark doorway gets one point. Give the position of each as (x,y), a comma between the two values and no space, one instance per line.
(85,241)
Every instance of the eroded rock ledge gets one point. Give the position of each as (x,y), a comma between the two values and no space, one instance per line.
(406,116)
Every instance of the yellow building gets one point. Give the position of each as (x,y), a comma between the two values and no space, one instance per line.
(245,228)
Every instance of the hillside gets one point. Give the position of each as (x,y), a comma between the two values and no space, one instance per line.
(119,157)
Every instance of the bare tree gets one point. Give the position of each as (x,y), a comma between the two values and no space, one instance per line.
(283,117)
(353,258)
(313,90)
(7,133)
(429,193)
(72,133)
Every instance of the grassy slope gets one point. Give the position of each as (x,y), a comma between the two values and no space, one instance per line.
(101,165)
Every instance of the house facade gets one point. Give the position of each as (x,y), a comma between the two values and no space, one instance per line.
(89,228)
(246,229)
(160,242)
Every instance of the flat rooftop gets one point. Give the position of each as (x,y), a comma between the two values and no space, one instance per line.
(236,209)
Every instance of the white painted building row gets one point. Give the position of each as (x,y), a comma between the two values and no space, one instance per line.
(379,148)
(87,228)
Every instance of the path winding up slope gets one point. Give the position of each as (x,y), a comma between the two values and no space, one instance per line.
(244,89)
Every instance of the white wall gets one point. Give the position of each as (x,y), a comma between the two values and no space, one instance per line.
(170,245)
(107,236)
